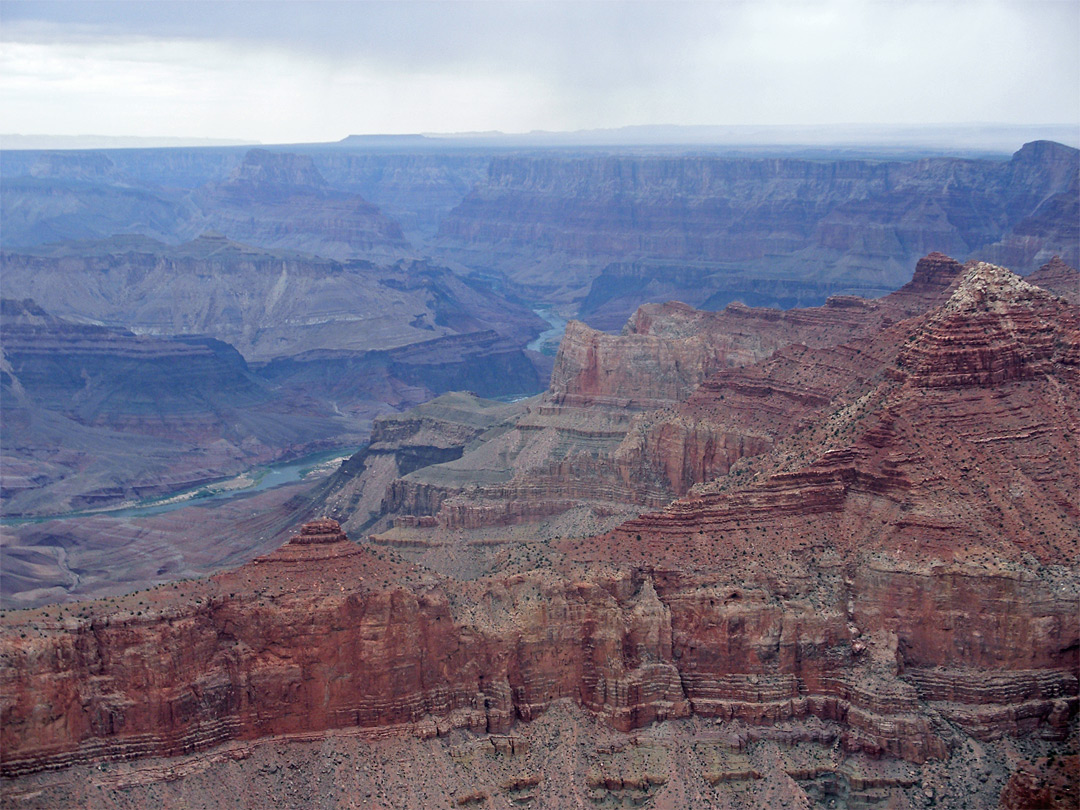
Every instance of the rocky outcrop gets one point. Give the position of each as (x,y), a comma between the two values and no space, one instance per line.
(433,433)
(319,532)
(996,328)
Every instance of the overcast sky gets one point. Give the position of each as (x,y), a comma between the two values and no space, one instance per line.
(317,71)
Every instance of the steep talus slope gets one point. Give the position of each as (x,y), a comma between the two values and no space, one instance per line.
(767,230)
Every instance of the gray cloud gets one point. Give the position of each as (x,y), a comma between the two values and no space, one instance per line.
(434,66)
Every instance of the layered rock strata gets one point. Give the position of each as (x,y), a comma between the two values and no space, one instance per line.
(590,439)
(280,200)
(267,303)
(771,221)
(433,433)
(895,582)
(94,416)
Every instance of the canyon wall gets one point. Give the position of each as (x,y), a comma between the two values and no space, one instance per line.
(266,303)
(893,580)
(628,419)
(321,634)
(96,416)
(771,231)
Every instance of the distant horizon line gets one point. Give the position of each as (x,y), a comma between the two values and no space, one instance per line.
(973,135)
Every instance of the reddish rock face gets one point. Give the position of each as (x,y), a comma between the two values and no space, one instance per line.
(996,328)
(628,419)
(901,569)
(1059,278)
(319,531)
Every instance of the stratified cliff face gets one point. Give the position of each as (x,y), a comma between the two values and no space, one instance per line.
(275,200)
(890,591)
(746,411)
(435,432)
(416,190)
(756,226)
(594,440)
(279,200)
(268,304)
(95,416)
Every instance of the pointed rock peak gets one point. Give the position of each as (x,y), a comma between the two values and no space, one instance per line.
(936,270)
(1058,277)
(995,328)
(989,288)
(262,167)
(1057,265)
(319,532)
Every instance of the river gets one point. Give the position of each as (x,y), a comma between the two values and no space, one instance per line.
(547,342)
(256,480)
(273,475)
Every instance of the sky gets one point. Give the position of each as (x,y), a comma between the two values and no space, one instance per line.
(290,72)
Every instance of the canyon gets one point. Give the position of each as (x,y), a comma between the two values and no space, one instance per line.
(596,232)
(783,522)
(844,571)
(266,303)
(94,415)
(608,434)
(219,357)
